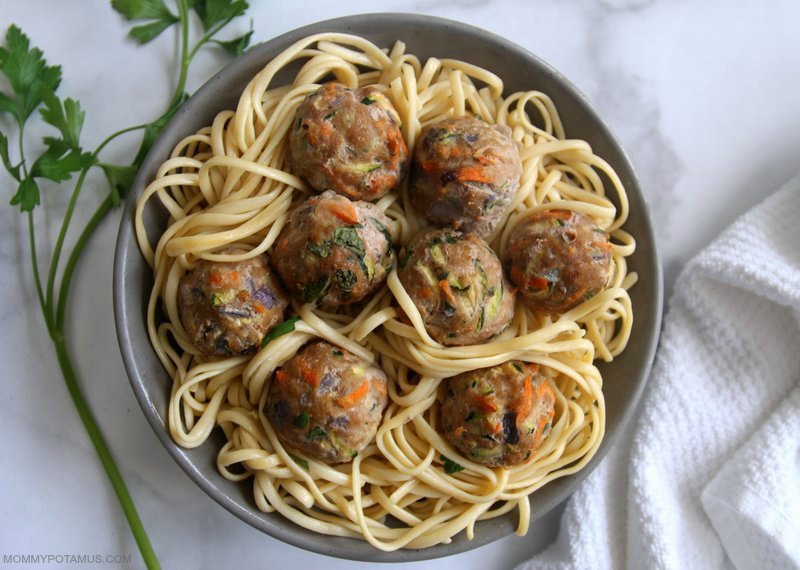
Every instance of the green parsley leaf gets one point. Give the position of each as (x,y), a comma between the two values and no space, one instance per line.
(347,236)
(67,118)
(302,420)
(27,196)
(317,289)
(142,9)
(385,231)
(321,249)
(159,16)
(27,72)
(7,104)
(317,432)
(237,46)
(148,32)
(13,170)
(59,161)
(278,330)
(120,179)
(300,461)
(213,12)
(450,467)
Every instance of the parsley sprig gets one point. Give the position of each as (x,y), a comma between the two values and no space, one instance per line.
(34,85)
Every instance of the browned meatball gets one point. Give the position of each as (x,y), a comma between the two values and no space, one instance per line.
(558,259)
(334,251)
(465,174)
(458,286)
(326,402)
(227,307)
(348,141)
(498,416)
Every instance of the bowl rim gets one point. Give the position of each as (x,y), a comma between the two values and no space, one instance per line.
(281,528)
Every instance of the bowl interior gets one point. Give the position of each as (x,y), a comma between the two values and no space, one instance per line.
(624,378)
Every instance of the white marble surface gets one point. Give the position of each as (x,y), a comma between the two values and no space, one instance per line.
(702,95)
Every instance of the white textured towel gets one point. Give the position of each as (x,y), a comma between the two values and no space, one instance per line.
(708,474)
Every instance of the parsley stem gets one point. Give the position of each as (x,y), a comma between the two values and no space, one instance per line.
(51,277)
(183,11)
(208,35)
(72,261)
(46,312)
(103,452)
(37,279)
(111,137)
(22,147)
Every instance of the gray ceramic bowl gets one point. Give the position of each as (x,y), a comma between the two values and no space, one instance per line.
(426,37)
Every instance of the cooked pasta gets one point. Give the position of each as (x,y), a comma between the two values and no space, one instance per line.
(230,184)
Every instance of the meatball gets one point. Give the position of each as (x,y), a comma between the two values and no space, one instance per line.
(457,284)
(326,402)
(558,259)
(228,307)
(465,174)
(348,141)
(334,251)
(498,416)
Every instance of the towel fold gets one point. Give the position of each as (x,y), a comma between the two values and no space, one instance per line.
(708,473)
(754,501)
